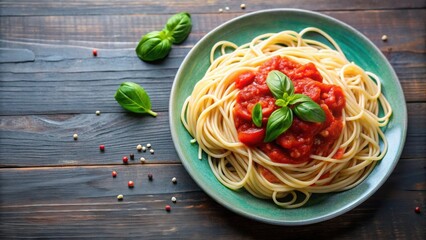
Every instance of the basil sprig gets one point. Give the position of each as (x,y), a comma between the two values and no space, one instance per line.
(179,26)
(133,97)
(156,45)
(302,106)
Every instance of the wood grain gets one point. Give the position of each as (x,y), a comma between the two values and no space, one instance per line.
(52,202)
(47,140)
(84,7)
(52,187)
(106,28)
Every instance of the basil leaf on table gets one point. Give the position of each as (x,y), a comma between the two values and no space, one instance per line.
(132,97)
(279,121)
(278,83)
(256,115)
(179,26)
(309,111)
(154,46)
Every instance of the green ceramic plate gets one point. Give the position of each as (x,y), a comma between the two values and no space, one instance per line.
(241,30)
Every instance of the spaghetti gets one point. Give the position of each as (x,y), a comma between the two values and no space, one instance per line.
(209,116)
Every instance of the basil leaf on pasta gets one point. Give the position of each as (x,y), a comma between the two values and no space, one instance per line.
(256,115)
(299,98)
(309,111)
(278,83)
(279,121)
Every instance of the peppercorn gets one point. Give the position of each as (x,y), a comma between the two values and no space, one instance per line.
(148,145)
(132,156)
(114,174)
(98,112)
(174,199)
(130,184)
(174,180)
(75,136)
(139,147)
(95,52)
(120,197)
(151,151)
(143,148)
(149,176)
(168,208)
(384,38)
(243,6)
(142,160)
(417,210)
(125,160)
(102,148)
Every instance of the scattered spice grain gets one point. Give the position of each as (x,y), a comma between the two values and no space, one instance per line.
(120,197)
(168,208)
(417,209)
(139,147)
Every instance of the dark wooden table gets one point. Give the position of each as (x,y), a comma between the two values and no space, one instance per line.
(54,187)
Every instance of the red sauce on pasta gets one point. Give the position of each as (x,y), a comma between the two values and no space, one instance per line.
(303,138)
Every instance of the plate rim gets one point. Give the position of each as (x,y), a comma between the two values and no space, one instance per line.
(313,220)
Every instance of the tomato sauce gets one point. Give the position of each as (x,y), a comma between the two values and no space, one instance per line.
(303,138)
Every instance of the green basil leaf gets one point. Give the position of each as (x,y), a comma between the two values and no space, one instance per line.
(154,46)
(278,83)
(279,121)
(309,111)
(298,98)
(256,115)
(281,103)
(132,97)
(179,25)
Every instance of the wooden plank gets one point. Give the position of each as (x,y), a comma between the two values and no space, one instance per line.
(11,55)
(31,8)
(81,202)
(108,28)
(47,140)
(43,140)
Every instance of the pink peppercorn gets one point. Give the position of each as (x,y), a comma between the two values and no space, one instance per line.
(130,184)
(168,208)
(114,174)
(102,148)
(95,52)
(125,160)
(417,210)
